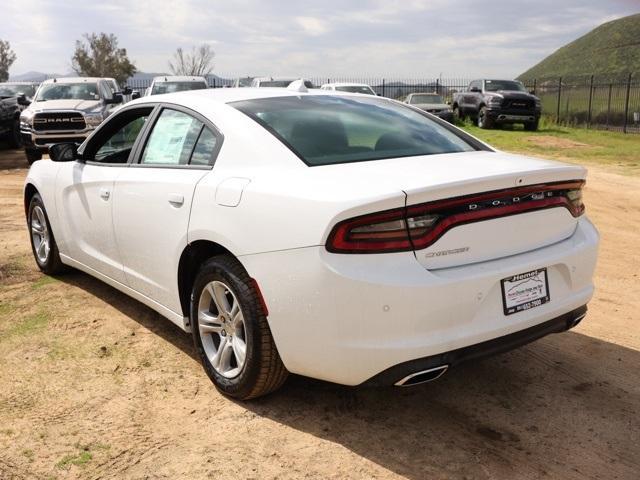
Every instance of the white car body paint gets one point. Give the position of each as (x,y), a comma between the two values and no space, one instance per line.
(337,317)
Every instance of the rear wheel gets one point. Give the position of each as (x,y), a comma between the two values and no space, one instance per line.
(231,333)
(43,244)
(483,120)
(33,155)
(15,138)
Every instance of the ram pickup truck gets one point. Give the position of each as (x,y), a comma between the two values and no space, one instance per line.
(493,102)
(65,110)
(14,98)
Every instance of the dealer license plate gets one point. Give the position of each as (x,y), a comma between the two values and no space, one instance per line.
(525,291)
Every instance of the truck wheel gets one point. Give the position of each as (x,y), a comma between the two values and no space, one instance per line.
(483,120)
(33,155)
(15,138)
(458,116)
(531,126)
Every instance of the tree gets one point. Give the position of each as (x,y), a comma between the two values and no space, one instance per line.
(198,62)
(7,57)
(98,55)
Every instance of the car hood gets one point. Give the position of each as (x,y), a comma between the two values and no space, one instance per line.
(431,106)
(80,105)
(513,95)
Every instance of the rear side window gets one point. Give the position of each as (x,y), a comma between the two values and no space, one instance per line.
(172,139)
(324,130)
(205,147)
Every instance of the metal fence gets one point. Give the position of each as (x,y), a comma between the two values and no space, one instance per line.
(592,102)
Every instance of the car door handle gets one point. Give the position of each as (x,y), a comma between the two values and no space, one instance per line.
(105,194)
(176,199)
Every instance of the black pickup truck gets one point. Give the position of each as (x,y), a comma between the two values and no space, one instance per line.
(493,102)
(14,98)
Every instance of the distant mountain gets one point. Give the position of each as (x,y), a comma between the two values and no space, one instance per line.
(612,49)
(35,76)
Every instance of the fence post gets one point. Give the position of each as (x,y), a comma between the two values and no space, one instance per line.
(609,104)
(535,85)
(590,101)
(558,106)
(626,104)
(383,89)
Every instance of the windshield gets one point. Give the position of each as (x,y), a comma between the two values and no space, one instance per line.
(495,85)
(8,90)
(68,91)
(356,89)
(172,87)
(275,83)
(325,129)
(426,98)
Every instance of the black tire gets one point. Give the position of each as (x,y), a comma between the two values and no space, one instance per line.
(14,137)
(33,155)
(484,121)
(52,264)
(531,126)
(458,116)
(263,371)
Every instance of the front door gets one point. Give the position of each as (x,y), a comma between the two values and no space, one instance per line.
(85,194)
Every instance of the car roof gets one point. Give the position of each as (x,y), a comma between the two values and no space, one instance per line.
(19,83)
(272,79)
(228,95)
(179,78)
(74,80)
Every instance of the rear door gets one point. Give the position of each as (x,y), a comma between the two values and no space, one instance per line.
(152,201)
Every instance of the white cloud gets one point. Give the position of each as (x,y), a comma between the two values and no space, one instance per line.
(312,26)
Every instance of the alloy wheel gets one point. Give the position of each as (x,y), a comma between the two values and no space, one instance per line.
(40,234)
(222,330)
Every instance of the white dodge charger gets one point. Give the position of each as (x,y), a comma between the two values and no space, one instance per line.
(348,238)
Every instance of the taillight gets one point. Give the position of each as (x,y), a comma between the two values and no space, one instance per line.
(418,226)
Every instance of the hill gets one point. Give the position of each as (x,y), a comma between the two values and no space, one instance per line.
(612,49)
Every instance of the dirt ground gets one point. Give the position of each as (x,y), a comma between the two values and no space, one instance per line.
(95,385)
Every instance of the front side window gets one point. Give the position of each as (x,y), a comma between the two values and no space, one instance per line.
(117,137)
(324,130)
(173,87)
(9,90)
(68,91)
(172,139)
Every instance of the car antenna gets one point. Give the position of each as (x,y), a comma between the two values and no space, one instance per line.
(298,86)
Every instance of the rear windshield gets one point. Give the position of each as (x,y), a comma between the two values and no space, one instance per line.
(172,87)
(325,130)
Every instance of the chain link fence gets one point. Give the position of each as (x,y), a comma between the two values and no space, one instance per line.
(590,101)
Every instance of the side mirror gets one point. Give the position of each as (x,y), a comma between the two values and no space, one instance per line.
(127,90)
(117,98)
(532,92)
(135,94)
(22,100)
(63,152)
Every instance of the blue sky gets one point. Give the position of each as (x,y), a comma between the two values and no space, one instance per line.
(408,38)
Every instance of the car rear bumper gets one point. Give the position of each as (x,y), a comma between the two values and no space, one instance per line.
(347,318)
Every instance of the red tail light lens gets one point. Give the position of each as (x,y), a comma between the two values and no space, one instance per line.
(418,226)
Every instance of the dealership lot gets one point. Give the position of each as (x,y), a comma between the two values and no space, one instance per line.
(95,385)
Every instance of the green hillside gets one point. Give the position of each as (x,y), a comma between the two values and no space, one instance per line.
(612,49)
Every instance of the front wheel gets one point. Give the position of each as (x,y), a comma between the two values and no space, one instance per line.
(483,119)
(231,333)
(15,137)
(458,116)
(33,155)
(531,126)
(43,244)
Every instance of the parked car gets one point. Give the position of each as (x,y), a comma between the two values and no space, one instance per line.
(277,82)
(172,84)
(494,102)
(65,110)
(242,82)
(14,98)
(343,237)
(349,87)
(432,103)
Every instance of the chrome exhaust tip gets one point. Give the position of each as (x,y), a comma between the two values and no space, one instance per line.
(576,320)
(423,376)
